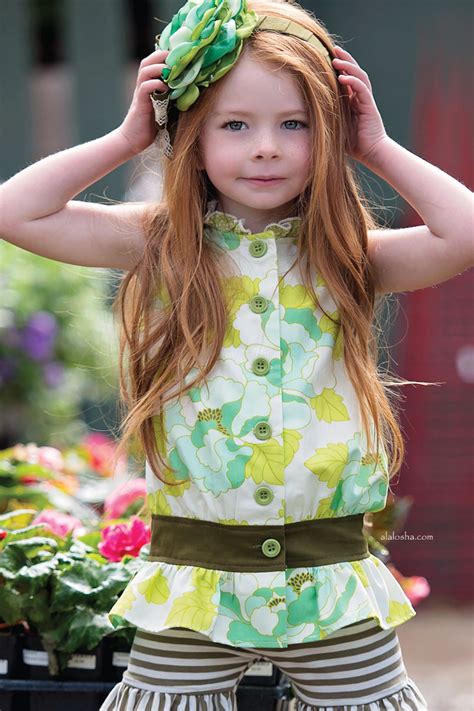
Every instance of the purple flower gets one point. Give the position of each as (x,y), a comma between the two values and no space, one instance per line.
(12,337)
(39,335)
(7,370)
(53,374)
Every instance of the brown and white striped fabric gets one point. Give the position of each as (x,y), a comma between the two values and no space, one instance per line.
(357,668)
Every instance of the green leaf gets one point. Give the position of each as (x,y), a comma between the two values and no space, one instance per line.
(32,578)
(81,631)
(87,582)
(11,605)
(28,494)
(12,558)
(37,612)
(35,531)
(329,462)
(32,546)
(329,406)
(91,539)
(17,519)
(29,469)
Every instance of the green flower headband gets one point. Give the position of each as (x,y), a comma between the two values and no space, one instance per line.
(204,40)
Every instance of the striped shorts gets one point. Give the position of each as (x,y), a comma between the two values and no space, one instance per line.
(357,668)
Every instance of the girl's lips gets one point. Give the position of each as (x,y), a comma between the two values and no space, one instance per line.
(259,181)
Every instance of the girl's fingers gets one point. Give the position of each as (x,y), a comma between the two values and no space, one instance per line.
(152,72)
(148,87)
(352,69)
(346,60)
(344,54)
(356,85)
(159,55)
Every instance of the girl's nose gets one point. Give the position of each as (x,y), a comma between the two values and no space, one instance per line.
(266,145)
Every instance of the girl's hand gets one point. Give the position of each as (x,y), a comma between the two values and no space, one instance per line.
(139,126)
(367,130)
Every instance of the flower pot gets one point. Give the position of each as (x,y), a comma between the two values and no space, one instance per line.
(82,666)
(59,700)
(261,674)
(11,646)
(264,698)
(269,690)
(116,656)
(14,701)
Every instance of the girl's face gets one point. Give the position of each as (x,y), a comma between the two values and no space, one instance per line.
(259,128)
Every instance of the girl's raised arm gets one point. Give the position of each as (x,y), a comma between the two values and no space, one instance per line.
(37,211)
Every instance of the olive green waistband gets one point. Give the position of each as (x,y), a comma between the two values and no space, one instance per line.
(186,541)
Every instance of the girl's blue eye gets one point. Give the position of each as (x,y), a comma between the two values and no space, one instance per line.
(295,121)
(241,122)
(230,122)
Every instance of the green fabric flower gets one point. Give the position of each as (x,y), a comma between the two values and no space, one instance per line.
(204,40)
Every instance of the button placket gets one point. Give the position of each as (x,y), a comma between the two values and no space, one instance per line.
(261,366)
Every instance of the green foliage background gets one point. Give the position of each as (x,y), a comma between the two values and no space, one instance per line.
(86,346)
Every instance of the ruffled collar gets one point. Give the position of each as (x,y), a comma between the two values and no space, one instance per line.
(224,222)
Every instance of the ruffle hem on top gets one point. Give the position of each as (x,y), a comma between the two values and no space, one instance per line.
(262,609)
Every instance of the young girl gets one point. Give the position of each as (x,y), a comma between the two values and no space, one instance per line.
(247,312)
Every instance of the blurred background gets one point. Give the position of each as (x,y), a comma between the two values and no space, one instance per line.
(67,71)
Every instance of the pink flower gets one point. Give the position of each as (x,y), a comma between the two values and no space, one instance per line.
(121,539)
(100,450)
(125,495)
(48,457)
(416,588)
(60,523)
(51,458)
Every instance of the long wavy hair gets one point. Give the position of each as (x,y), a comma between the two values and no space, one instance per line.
(162,347)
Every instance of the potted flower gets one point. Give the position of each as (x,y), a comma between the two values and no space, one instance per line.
(12,627)
(63,588)
(120,540)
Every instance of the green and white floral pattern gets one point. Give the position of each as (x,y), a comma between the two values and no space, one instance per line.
(316,462)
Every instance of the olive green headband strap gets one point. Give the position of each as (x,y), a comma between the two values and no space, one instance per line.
(279,24)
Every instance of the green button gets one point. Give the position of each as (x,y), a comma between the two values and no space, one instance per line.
(258,304)
(263,495)
(260,366)
(271,547)
(262,430)
(258,247)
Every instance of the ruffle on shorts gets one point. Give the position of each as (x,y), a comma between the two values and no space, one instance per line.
(127,698)
(409,698)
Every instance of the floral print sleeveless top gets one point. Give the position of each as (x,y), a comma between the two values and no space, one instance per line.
(275,438)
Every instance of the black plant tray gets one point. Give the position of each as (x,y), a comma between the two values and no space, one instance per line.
(56,686)
(50,695)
